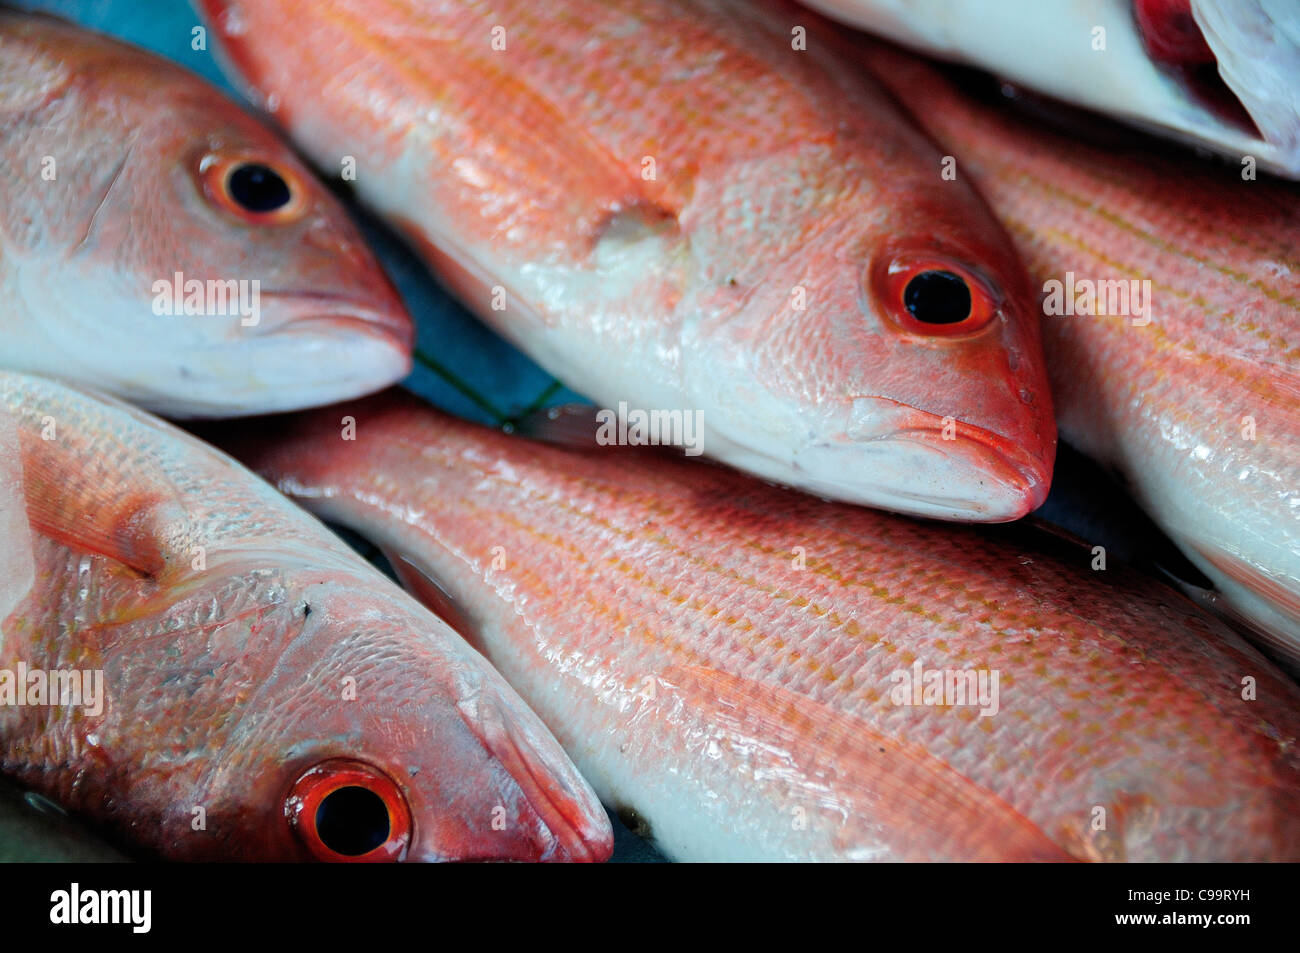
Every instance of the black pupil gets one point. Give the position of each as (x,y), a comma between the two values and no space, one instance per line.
(352,821)
(258,188)
(937,297)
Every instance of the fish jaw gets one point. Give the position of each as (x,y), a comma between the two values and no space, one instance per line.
(562,825)
(305,348)
(910,461)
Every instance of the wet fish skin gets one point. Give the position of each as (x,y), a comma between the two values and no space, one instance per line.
(745,276)
(115,173)
(718,654)
(1199,409)
(242,646)
(1220,75)
(32,830)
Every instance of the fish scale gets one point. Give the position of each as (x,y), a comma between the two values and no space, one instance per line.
(697,205)
(1164,404)
(228,627)
(654,613)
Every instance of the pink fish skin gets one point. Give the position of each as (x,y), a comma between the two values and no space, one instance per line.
(127,185)
(1194,401)
(697,206)
(266,694)
(731,661)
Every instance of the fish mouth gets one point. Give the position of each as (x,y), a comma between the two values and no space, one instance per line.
(320,311)
(1016,481)
(879,452)
(924,465)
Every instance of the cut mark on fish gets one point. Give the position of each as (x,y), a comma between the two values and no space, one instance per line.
(630,225)
(103,199)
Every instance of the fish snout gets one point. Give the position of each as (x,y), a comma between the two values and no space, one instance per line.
(379,315)
(309,348)
(919,463)
(554,815)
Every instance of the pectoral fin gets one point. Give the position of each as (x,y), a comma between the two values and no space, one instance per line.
(94,509)
(422,584)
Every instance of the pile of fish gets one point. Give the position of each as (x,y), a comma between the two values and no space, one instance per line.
(864,287)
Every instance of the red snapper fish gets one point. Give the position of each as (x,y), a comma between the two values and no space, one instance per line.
(1172,298)
(696,208)
(204,672)
(754,674)
(159,243)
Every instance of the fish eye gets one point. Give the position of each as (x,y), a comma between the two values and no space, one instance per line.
(349,812)
(258,188)
(254,191)
(937,297)
(934,297)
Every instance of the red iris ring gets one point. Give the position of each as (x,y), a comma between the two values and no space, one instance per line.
(340,777)
(214,179)
(889,282)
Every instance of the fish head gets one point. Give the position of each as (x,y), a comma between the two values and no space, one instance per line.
(887,353)
(207,273)
(382,736)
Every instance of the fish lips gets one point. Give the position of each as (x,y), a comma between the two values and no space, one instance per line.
(307,349)
(888,455)
(323,311)
(958,472)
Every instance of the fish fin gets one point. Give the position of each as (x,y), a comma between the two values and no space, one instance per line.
(577,426)
(1281,596)
(1276,643)
(73,503)
(945,814)
(567,425)
(422,584)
